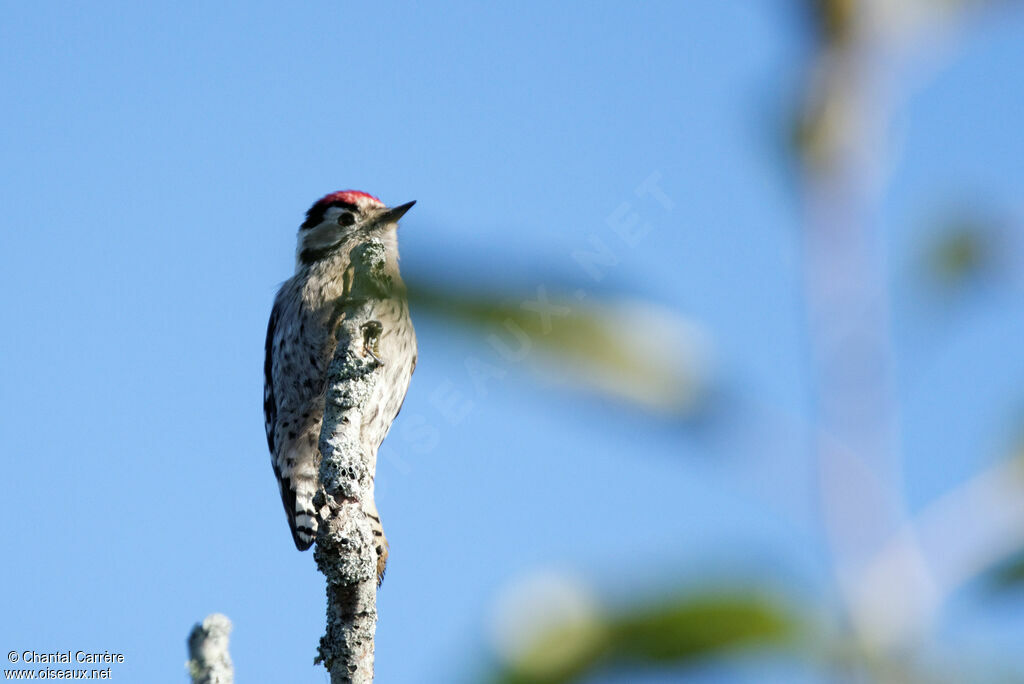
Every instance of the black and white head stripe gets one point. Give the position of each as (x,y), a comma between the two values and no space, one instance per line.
(315,215)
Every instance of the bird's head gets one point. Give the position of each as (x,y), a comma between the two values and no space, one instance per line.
(335,217)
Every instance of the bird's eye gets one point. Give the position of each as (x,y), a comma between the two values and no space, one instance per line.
(346,219)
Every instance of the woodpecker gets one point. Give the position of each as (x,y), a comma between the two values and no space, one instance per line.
(301,343)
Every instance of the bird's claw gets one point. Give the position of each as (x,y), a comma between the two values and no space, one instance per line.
(371,340)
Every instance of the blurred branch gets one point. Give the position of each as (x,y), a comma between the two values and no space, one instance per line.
(209,661)
(924,563)
(345,548)
(840,146)
(892,581)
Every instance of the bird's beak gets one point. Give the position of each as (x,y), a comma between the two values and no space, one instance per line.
(392,215)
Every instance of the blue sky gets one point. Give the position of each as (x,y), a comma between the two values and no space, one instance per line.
(159,158)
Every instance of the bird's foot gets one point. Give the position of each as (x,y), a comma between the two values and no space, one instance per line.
(371,340)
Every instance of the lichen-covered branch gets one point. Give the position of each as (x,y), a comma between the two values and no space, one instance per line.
(208,659)
(345,549)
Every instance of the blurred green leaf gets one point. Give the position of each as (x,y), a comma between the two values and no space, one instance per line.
(677,631)
(959,254)
(968,245)
(695,627)
(1008,575)
(628,349)
(833,20)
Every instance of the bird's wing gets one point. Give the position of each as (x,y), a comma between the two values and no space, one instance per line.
(292,455)
(269,403)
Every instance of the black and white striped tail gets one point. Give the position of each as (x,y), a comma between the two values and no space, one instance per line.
(304,523)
